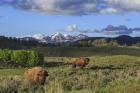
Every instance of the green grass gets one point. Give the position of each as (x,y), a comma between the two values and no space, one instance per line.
(68,80)
(110,70)
(11,72)
(122,86)
(82,91)
(108,74)
(102,61)
(88,51)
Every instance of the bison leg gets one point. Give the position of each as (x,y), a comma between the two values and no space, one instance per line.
(73,65)
(82,66)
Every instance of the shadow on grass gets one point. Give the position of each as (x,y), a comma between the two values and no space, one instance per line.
(54,64)
(88,51)
(106,67)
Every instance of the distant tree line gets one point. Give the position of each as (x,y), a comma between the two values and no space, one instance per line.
(89,43)
(17,43)
(101,41)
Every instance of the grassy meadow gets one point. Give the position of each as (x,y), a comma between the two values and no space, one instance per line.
(110,70)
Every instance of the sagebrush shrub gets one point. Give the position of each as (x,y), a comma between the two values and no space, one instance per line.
(22,57)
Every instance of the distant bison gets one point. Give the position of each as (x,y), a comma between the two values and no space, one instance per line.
(80,62)
(36,75)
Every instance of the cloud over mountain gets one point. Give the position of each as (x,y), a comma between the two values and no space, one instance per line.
(89,31)
(109,30)
(71,28)
(76,7)
(117,30)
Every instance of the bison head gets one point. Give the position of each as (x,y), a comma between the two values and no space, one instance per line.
(87,60)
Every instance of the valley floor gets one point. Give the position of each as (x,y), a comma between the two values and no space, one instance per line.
(104,74)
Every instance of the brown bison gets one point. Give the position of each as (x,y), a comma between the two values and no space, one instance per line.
(36,75)
(80,62)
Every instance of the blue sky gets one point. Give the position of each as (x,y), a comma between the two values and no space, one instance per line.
(23,21)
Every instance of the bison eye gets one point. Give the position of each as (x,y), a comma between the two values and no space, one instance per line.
(46,74)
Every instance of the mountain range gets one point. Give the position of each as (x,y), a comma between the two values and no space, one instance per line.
(55,38)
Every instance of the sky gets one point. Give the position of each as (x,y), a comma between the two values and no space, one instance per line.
(19,18)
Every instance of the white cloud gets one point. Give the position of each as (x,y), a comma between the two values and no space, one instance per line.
(71,28)
(76,7)
(109,11)
(125,5)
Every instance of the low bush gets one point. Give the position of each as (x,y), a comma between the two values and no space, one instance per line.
(5,54)
(21,57)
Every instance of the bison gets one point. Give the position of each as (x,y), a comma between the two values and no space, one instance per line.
(80,62)
(36,75)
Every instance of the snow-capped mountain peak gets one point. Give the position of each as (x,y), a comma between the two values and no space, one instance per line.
(81,36)
(42,38)
(39,36)
(68,37)
(58,37)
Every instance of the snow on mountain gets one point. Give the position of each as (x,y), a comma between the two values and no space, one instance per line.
(80,37)
(28,39)
(55,38)
(58,37)
(68,37)
(41,38)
